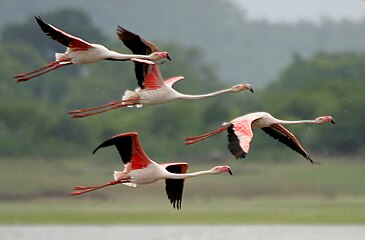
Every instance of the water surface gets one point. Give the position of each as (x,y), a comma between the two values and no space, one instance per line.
(182,232)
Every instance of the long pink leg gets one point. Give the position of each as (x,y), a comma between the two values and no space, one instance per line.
(192,140)
(101,111)
(54,67)
(97,112)
(82,189)
(21,75)
(95,108)
(112,105)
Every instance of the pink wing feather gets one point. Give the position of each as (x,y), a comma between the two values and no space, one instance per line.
(62,37)
(244,133)
(171,81)
(153,79)
(240,135)
(75,42)
(139,158)
(129,148)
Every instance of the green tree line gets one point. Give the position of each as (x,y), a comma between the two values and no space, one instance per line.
(238,47)
(34,119)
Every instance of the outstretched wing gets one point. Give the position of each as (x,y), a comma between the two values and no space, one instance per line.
(62,37)
(136,43)
(174,187)
(283,135)
(240,135)
(171,81)
(129,148)
(148,76)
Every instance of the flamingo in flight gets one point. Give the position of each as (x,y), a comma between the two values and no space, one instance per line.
(240,132)
(153,89)
(140,169)
(81,52)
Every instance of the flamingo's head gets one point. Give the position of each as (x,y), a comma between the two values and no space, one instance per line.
(160,55)
(221,169)
(241,87)
(324,119)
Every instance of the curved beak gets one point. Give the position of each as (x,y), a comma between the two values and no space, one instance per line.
(229,171)
(168,57)
(333,122)
(251,90)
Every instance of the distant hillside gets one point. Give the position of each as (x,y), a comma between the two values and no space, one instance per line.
(241,50)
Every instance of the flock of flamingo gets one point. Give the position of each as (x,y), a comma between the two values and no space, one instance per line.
(154,89)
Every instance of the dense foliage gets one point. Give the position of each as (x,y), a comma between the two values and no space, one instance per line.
(240,49)
(34,120)
(327,84)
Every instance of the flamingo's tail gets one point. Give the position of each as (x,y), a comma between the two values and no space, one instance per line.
(61,58)
(131,96)
(118,175)
(58,56)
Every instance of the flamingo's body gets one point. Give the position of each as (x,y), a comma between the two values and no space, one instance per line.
(153,89)
(80,51)
(140,169)
(240,132)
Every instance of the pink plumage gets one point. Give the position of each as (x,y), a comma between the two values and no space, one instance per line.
(140,169)
(240,132)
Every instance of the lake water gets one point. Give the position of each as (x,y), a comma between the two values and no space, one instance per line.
(182,232)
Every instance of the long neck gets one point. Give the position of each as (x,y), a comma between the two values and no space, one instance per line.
(120,56)
(285,122)
(188,175)
(194,97)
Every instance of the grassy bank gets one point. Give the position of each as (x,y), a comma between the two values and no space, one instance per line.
(219,211)
(36,191)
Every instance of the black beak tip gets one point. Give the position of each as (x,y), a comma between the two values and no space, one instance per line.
(252,90)
(168,57)
(333,122)
(230,172)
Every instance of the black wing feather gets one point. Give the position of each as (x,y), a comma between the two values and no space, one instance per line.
(52,33)
(123,145)
(234,144)
(137,46)
(174,187)
(133,42)
(285,139)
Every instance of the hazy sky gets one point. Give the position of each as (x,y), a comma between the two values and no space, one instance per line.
(294,10)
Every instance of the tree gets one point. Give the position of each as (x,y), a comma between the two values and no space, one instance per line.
(71,21)
(327,84)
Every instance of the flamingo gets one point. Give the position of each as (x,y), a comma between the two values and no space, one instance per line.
(140,169)
(153,89)
(240,132)
(81,52)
